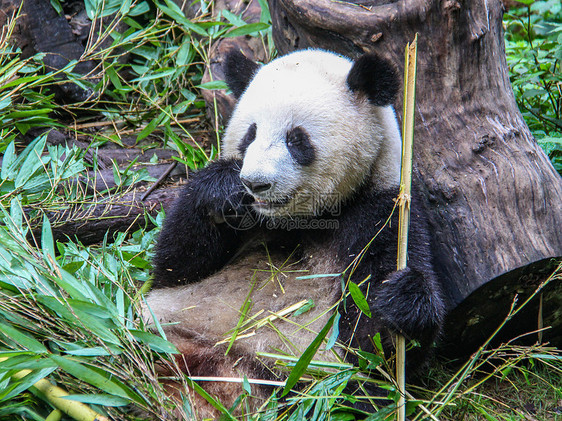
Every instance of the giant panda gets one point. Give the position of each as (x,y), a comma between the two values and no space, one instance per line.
(299,204)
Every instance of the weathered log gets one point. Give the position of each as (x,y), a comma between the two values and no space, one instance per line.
(90,223)
(494,197)
(51,33)
(100,181)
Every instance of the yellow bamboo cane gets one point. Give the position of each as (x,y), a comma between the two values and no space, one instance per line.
(404,204)
(55,396)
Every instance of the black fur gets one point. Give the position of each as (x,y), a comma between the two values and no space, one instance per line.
(409,301)
(300,146)
(376,78)
(248,138)
(195,240)
(239,72)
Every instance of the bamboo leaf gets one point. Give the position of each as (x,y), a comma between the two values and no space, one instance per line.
(172,10)
(25,361)
(96,351)
(248,29)
(209,398)
(359,299)
(306,357)
(110,385)
(246,385)
(7,160)
(47,241)
(213,85)
(24,383)
(24,340)
(156,343)
(382,414)
(335,332)
(32,161)
(101,399)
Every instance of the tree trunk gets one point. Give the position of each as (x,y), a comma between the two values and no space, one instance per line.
(495,199)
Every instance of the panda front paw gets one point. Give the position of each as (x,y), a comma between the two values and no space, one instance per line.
(410,302)
(195,240)
(218,194)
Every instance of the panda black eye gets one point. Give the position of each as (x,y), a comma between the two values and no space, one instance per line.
(248,138)
(296,136)
(300,146)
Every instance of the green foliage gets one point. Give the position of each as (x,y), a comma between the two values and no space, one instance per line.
(534,56)
(70,313)
(24,102)
(167,54)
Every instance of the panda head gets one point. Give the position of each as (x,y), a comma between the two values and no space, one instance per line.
(311,128)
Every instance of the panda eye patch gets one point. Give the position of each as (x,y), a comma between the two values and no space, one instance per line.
(248,138)
(300,147)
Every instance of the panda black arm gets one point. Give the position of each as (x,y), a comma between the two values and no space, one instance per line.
(411,301)
(407,301)
(195,240)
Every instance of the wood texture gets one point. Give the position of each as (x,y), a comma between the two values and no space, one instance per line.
(90,223)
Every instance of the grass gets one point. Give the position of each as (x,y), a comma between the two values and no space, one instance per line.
(69,313)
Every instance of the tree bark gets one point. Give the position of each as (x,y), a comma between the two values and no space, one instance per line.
(494,197)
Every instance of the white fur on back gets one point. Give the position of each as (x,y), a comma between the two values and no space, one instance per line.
(353,139)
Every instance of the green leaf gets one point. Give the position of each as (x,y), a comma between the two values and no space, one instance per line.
(246,385)
(185,54)
(32,161)
(306,357)
(71,285)
(213,85)
(247,29)
(96,351)
(265,15)
(107,383)
(154,123)
(382,414)
(359,299)
(25,341)
(335,332)
(24,383)
(156,343)
(47,242)
(232,18)
(172,10)
(209,398)
(377,342)
(101,399)
(26,361)
(373,360)
(8,160)
(306,307)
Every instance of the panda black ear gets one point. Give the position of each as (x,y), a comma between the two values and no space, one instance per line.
(375,77)
(239,71)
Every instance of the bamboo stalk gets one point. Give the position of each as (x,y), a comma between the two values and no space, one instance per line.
(55,396)
(404,199)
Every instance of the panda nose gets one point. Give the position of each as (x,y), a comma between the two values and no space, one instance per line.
(255,186)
